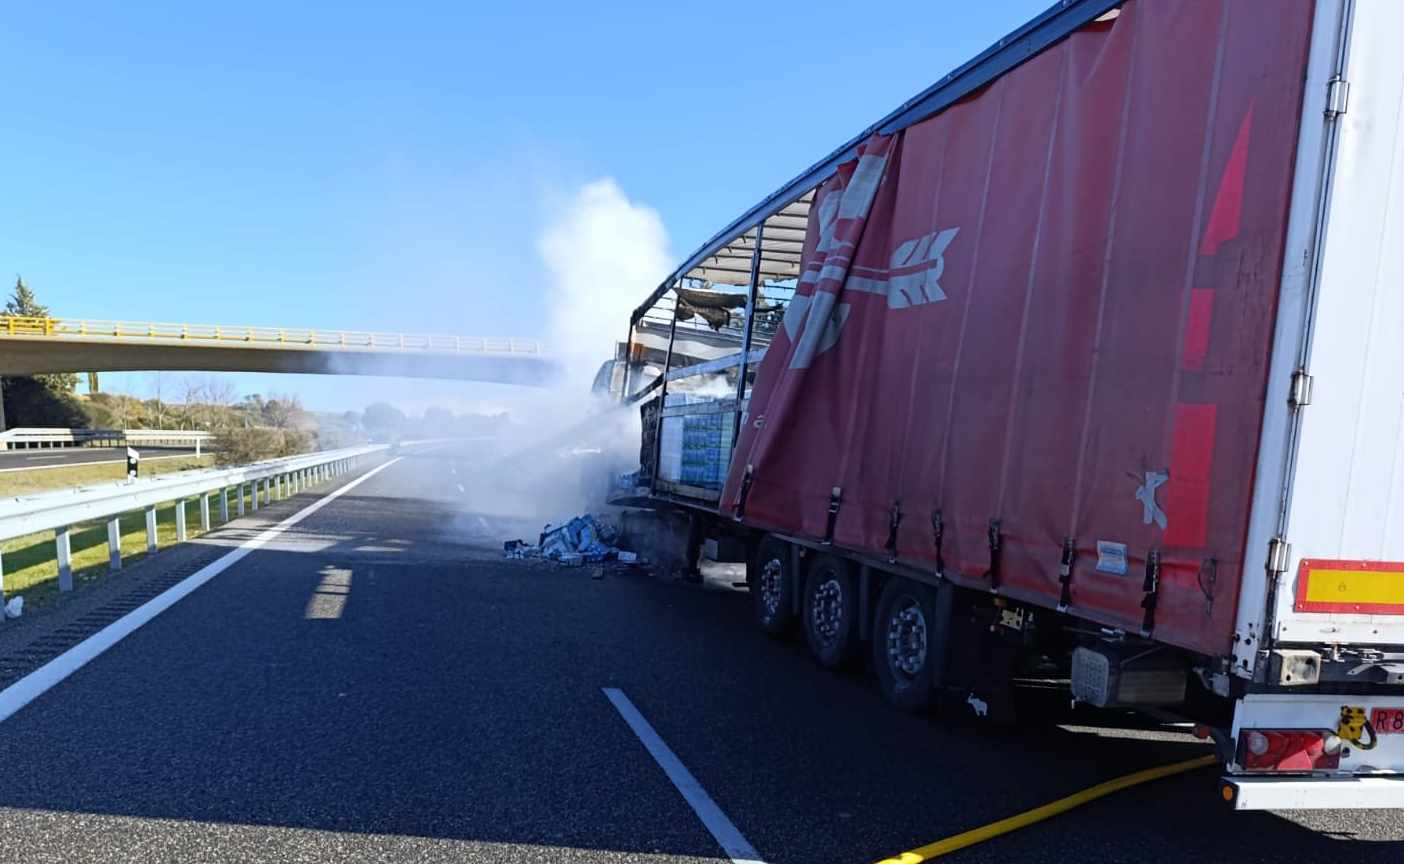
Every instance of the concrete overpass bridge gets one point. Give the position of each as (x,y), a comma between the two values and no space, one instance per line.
(33,346)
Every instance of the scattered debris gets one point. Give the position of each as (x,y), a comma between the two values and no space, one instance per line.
(14,608)
(583,540)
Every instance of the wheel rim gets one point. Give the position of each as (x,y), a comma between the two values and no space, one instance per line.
(826,612)
(772,586)
(906,639)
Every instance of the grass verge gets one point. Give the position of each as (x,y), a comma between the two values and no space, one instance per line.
(68,476)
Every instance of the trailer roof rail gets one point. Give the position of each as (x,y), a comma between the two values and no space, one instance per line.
(1048,28)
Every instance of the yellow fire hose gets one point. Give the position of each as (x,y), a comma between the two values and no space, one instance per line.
(1038,814)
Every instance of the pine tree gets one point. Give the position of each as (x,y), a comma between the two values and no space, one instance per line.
(23,303)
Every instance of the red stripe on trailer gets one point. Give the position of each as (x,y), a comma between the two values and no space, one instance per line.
(1227,216)
(1191,463)
(1197,329)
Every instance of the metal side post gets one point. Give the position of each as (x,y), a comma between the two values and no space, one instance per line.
(253,498)
(240,508)
(747,329)
(180,520)
(204,511)
(224,504)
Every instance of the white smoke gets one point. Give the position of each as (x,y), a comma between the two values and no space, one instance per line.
(605,253)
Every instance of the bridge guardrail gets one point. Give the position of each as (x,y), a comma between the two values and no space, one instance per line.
(268,480)
(268,337)
(22,437)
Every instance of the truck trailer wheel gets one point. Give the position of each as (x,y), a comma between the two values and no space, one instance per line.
(772,586)
(831,611)
(908,640)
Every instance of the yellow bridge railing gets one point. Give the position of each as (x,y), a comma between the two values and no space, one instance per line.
(259,337)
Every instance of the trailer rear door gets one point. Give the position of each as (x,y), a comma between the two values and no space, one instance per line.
(1344,581)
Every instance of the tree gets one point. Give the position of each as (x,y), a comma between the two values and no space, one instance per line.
(41,400)
(24,304)
(383,421)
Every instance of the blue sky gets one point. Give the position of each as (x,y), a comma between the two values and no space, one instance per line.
(395,166)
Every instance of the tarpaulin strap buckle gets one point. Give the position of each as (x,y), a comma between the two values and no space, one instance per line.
(938,536)
(835,498)
(894,519)
(994,541)
(1151,587)
(743,492)
(1065,569)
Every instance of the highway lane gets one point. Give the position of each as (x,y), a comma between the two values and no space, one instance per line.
(24,460)
(377,684)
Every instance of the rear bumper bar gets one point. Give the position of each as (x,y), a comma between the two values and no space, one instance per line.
(1311,793)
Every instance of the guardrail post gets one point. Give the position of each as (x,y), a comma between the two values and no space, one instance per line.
(224,504)
(114,543)
(180,520)
(204,511)
(253,487)
(278,485)
(240,490)
(197,448)
(151,528)
(2,588)
(65,559)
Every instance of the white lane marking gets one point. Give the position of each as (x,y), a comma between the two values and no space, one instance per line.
(41,458)
(733,843)
(36,683)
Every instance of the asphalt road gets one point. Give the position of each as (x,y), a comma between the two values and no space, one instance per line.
(22,460)
(378,685)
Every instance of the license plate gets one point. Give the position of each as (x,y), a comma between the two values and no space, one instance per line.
(1388,721)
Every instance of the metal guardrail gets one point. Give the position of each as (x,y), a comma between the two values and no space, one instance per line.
(12,326)
(269,480)
(23,437)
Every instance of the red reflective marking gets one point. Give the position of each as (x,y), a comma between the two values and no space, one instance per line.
(1187,492)
(1228,201)
(1201,315)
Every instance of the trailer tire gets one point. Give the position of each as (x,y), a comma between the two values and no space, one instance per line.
(908,642)
(831,611)
(772,586)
